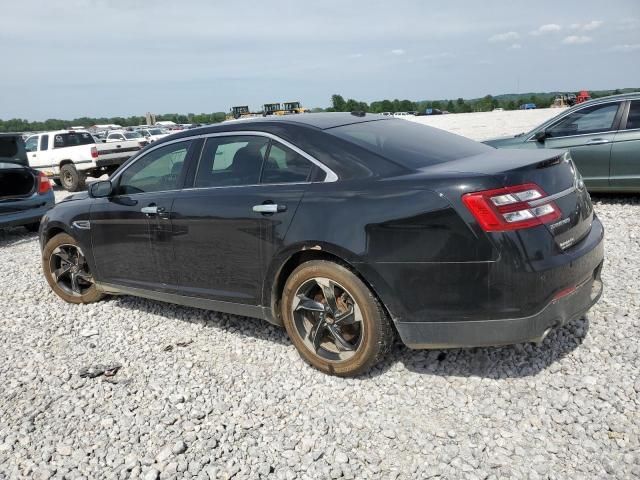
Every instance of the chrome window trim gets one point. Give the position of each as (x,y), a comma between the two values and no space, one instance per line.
(329,178)
(531,139)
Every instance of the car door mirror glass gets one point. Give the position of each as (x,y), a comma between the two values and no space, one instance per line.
(101,189)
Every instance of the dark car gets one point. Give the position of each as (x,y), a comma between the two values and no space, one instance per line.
(603,136)
(343,228)
(25,194)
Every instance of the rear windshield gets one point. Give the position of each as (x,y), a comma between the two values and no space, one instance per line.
(8,147)
(408,143)
(72,139)
(132,135)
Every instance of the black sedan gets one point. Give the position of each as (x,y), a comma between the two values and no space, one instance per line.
(25,194)
(346,229)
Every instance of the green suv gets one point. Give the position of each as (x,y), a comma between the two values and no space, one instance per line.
(603,136)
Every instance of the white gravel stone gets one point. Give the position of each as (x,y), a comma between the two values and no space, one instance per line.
(238,397)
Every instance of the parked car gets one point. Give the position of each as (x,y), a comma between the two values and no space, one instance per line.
(152,134)
(603,136)
(25,194)
(126,136)
(528,106)
(70,156)
(342,228)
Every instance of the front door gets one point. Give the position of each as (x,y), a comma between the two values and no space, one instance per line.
(131,230)
(588,133)
(227,228)
(625,153)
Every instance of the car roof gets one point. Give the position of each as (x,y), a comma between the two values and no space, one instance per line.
(621,96)
(322,121)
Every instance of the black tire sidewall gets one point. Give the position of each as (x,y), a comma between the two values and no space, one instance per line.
(370,349)
(77,182)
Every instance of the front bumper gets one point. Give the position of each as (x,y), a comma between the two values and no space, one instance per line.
(484,333)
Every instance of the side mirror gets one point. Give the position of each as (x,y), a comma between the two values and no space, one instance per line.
(101,189)
(540,136)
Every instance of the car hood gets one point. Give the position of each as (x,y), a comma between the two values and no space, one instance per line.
(506,141)
(75,197)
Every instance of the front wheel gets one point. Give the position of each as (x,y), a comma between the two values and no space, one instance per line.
(67,271)
(334,320)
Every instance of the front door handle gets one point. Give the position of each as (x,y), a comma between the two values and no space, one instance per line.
(598,141)
(151,210)
(269,208)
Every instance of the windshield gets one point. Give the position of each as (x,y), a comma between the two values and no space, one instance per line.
(155,131)
(132,135)
(408,143)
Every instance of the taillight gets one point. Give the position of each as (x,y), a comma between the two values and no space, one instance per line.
(94,152)
(511,208)
(44,185)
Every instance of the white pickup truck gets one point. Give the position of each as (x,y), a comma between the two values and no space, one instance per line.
(70,156)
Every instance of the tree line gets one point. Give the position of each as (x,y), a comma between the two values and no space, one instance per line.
(21,125)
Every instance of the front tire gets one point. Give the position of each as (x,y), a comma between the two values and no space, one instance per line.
(32,227)
(67,271)
(72,180)
(335,322)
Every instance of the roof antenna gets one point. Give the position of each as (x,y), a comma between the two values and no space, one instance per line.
(358,113)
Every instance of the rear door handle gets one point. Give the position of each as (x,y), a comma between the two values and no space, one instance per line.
(269,208)
(598,141)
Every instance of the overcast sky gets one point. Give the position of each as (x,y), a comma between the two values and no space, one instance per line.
(117,57)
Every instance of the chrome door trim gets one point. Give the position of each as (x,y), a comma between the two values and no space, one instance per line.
(330,174)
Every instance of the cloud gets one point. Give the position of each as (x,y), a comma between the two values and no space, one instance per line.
(626,47)
(515,46)
(356,55)
(587,27)
(592,25)
(504,37)
(546,28)
(398,51)
(576,40)
(437,56)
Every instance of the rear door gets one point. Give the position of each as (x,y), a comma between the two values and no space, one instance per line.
(589,134)
(625,153)
(246,191)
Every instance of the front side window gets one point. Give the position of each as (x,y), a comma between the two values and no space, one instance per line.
(31,145)
(594,119)
(231,161)
(633,120)
(157,171)
(283,165)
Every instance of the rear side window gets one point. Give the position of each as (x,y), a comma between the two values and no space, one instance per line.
(408,143)
(283,165)
(44,142)
(594,119)
(231,161)
(633,120)
(72,139)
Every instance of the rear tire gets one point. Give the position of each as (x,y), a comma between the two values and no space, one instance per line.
(32,227)
(67,271)
(346,343)
(71,179)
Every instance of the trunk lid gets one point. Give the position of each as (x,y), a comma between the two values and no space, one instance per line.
(17,185)
(12,149)
(551,170)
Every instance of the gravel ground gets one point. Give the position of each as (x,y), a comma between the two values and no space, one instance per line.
(206,395)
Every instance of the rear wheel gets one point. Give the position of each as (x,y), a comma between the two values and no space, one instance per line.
(32,227)
(71,179)
(334,320)
(67,271)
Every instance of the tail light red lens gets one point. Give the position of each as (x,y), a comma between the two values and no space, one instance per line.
(94,152)
(44,185)
(511,208)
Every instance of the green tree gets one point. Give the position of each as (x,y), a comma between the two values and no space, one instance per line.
(337,103)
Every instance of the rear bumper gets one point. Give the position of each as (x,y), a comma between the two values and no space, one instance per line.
(30,215)
(108,162)
(484,333)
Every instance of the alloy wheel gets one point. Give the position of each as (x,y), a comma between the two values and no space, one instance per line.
(328,319)
(69,269)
